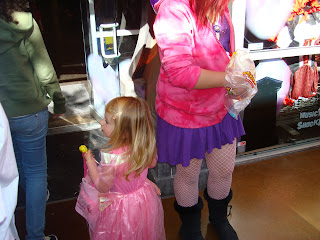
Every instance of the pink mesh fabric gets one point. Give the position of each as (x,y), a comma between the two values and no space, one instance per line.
(220,163)
(186,183)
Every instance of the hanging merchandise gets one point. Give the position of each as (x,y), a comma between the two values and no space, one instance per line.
(303,27)
(305,79)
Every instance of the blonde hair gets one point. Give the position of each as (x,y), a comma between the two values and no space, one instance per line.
(133,129)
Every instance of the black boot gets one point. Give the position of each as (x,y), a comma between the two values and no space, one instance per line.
(218,217)
(191,221)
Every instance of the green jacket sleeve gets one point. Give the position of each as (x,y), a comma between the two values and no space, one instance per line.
(44,69)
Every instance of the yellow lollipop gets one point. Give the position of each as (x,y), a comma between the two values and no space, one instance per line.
(83,149)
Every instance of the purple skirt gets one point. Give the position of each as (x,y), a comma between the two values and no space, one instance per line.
(179,145)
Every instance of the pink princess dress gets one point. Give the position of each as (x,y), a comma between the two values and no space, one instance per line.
(130,210)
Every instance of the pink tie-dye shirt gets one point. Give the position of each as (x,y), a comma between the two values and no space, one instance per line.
(184,50)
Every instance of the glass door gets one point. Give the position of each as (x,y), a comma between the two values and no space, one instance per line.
(111,31)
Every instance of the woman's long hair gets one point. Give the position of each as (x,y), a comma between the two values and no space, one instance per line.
(204,9)
(133,129)
(7,7)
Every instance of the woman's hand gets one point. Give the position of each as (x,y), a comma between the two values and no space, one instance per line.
(238,92)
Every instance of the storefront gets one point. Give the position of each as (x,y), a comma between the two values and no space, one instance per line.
(283,117)
(283,39)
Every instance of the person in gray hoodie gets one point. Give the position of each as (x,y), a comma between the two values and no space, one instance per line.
(28,83)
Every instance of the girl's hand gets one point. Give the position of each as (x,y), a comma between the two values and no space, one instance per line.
(89,157)
(154,161)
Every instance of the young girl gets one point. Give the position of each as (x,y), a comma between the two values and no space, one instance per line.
(116,198)
(195,39)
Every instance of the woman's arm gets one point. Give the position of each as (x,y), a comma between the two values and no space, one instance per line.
(210,79)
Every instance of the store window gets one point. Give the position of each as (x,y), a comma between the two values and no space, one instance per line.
(283,39)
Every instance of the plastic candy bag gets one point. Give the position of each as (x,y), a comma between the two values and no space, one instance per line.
(241,82)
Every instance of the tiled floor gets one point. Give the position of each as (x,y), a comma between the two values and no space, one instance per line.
(275,199)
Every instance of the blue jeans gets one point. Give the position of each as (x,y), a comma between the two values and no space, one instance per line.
(29,142)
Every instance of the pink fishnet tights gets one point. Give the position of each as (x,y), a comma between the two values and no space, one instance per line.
(220,163)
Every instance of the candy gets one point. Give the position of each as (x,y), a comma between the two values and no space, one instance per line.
(83,148)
